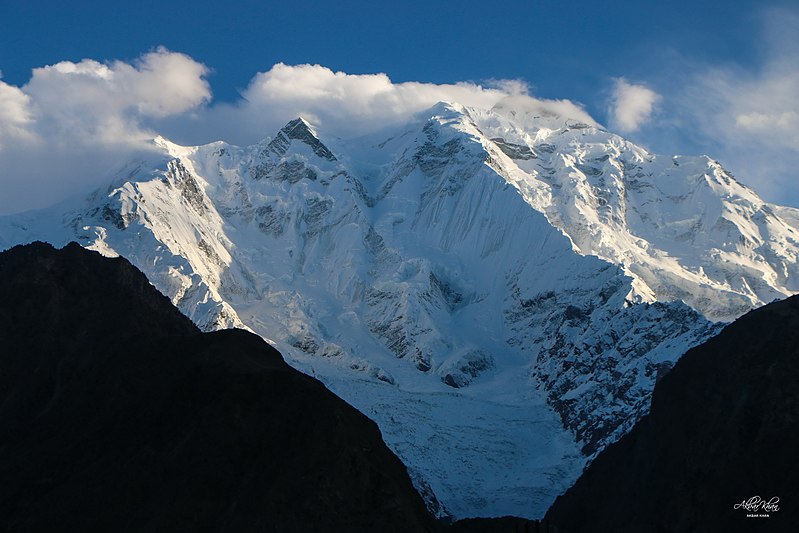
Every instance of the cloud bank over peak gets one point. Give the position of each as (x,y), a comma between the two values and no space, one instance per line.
(524,104)
(110,103)
(339,103)
(349,105)
(72,124)
(315,86)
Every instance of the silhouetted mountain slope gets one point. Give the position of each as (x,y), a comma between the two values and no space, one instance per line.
(723,428)
(117,414)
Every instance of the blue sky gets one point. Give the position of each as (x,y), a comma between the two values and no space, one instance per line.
(679,77)
(564,49)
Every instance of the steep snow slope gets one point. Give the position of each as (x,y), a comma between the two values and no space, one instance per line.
(498,291)
(682,227)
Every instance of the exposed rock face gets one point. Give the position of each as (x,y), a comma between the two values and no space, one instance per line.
(723,429)
(117,414)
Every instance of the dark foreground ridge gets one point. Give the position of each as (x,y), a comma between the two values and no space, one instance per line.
(117,414)
(721,439)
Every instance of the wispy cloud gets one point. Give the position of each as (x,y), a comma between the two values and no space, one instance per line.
(632,105)
(747,117)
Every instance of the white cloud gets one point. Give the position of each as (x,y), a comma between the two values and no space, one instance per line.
(317,88)
(15,115)
(73,122)
(523,104)
(786,121)
(345,105)
(754,121)
(759,107)
(631,105)
(109,103)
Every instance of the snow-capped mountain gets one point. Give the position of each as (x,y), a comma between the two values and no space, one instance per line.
(498,289)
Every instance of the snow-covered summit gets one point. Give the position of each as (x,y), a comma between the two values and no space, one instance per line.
(683,227)
(299,130)
(499,289)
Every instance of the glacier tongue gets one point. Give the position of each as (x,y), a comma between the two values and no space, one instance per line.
(499,291)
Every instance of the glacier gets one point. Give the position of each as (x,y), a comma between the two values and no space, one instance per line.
(499,289)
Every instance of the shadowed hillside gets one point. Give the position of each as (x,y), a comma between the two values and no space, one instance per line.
(117,414)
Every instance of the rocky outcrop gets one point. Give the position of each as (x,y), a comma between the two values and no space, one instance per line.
(717,451)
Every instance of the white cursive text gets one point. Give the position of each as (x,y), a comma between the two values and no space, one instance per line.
(756,503)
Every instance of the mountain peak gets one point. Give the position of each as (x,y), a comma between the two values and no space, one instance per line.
(447,109)
(171,148)
(299,122)
(299,130)
(534,113)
